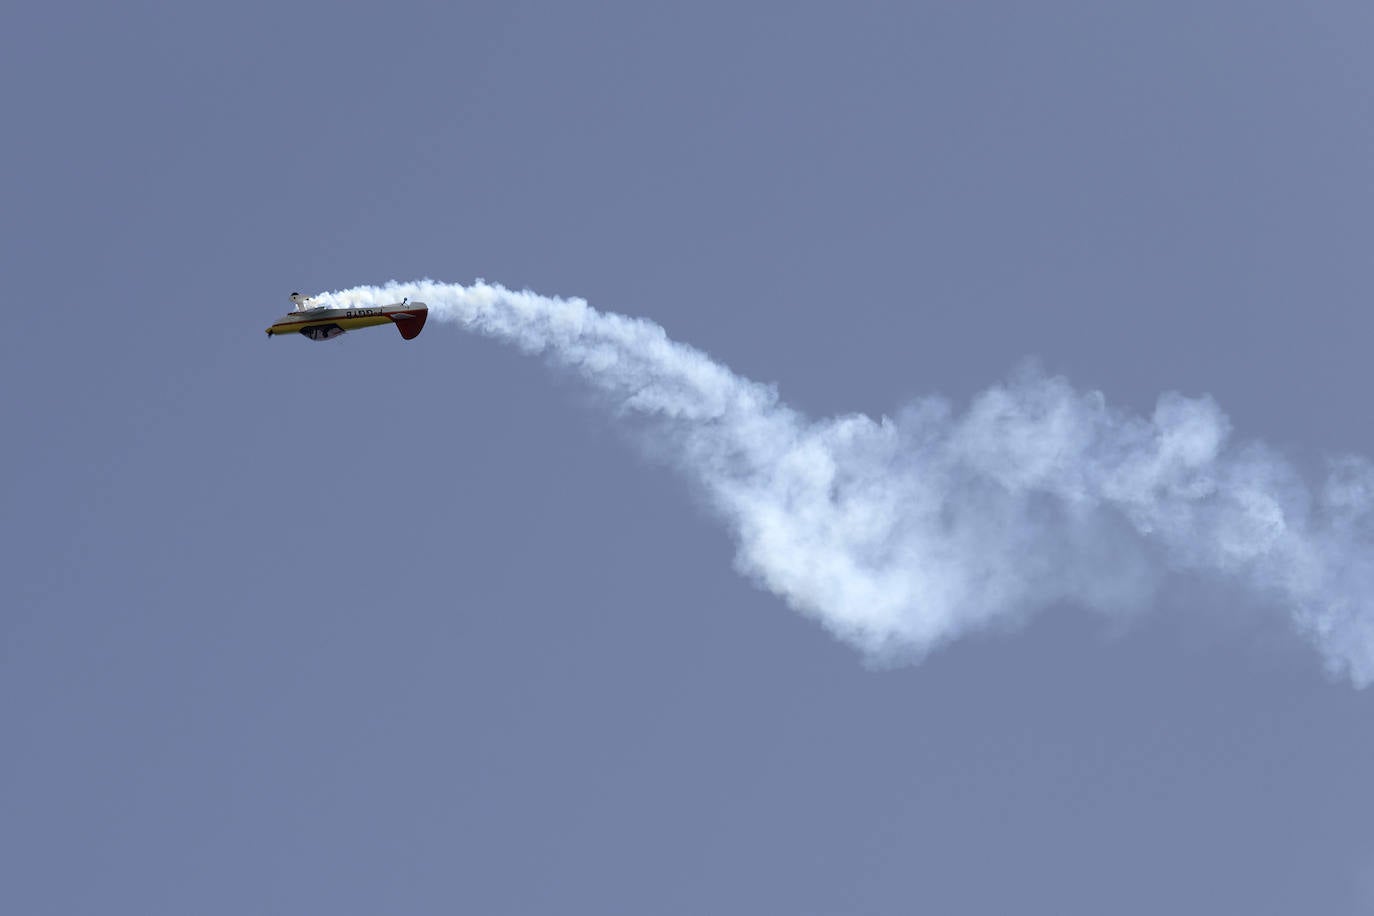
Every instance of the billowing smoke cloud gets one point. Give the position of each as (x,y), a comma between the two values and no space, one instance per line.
(903,533)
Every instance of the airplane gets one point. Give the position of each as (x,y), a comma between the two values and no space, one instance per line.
(320,323)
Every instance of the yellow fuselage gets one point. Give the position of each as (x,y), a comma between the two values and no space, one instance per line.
(326,323)
(346,319)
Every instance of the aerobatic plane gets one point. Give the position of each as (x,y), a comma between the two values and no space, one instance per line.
(320,323)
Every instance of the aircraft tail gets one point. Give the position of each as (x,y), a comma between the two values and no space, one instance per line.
(412,322)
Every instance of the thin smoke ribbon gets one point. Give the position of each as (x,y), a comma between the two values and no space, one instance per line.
(902,533)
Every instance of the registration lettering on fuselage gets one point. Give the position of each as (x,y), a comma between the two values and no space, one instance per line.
(361,313)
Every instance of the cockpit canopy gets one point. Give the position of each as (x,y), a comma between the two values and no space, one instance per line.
(322,331)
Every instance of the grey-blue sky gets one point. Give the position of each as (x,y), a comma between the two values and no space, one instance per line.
(548,691)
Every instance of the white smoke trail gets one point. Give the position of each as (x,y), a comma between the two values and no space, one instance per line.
(901,534)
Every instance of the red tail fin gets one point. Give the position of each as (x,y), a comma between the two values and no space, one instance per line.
(413,322)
